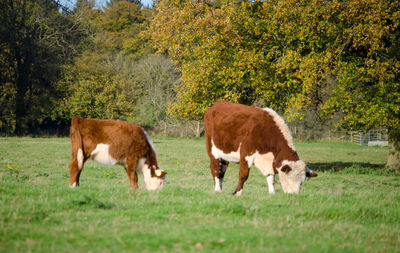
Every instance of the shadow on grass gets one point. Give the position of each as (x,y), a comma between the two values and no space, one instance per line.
(91,201)
(339,166)
(352,167)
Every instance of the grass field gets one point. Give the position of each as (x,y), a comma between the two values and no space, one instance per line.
(352,206)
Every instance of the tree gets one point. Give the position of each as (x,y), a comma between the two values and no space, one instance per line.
(101,82)
(112,2)
(157,79)
(121,29)
(216,59)
(35,40)
(84,6)
(334,56)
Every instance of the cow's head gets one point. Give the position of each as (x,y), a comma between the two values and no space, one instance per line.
(292,175)
(153,178)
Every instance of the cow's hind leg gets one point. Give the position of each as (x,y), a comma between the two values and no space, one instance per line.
(222,169)
(218,169)
(215,172)
(75,168)
(243,175)
(215,166)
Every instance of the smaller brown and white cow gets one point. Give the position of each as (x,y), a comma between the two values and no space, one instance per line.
(113,142)
(250,135)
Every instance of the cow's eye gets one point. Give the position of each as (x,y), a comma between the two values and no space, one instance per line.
(286,169)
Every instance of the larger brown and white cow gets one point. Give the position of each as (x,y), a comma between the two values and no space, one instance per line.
(251,135)
(113,142)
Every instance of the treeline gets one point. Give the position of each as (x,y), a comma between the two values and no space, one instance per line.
(98,63)
(339,60)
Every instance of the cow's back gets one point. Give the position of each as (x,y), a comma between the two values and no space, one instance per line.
(120,136)
(229,125)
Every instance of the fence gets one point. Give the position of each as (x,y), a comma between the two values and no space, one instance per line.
(370,138)
(306,133)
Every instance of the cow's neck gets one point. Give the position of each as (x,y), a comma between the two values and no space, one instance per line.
(151,160)
(284,152)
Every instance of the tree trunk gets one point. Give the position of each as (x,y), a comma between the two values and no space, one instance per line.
(393,159)
(198,129)
(23,60)
(20,124)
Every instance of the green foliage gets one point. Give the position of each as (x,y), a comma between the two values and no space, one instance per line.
(118,88)
(112,2)
(96,89)
(54,65)
(103,81)
(36,40)
(122,16)
(121,29)
(156,78)
(330,55)
(217,58)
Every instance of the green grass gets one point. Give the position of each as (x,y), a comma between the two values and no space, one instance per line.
(352,206)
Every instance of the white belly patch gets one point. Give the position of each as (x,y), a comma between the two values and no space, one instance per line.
(233,156)
(102,155)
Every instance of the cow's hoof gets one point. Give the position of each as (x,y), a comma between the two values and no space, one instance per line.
(238,193)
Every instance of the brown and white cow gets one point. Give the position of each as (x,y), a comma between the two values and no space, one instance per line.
(251,135)
(113,142)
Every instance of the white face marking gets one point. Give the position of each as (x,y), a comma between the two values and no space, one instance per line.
(292,181)
(282,126)
(239,192)
(79,157)
(73,185)
(233,156)
(218,184)
(152,183)
(263,162)
(101,154)
(270,182)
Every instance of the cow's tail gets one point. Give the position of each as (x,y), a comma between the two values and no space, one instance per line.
(76,142)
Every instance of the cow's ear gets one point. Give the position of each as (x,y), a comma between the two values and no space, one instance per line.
(286,169)
(311,174)
(160,173)
(163,173)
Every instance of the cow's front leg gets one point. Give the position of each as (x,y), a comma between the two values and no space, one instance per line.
(270,182)
(243,175)
(131,165)
(133,179)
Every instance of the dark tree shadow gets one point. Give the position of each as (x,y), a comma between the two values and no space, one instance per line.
(339,166)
